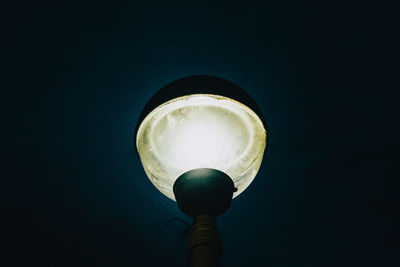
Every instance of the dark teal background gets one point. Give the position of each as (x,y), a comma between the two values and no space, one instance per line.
(77,74)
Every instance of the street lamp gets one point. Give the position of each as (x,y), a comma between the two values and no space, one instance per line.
(201,140)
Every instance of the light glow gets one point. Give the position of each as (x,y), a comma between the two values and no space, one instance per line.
(201,131)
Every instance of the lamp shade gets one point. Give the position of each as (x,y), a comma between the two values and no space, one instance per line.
(201,131)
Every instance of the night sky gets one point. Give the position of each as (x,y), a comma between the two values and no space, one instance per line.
(77,75)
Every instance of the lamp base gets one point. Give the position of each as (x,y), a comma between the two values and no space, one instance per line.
(204,194)
(202,191)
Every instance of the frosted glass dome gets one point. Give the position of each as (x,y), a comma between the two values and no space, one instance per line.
(201,131)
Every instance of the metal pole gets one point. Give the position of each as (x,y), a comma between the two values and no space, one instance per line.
(205,243)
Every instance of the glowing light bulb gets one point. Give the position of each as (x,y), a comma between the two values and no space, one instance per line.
(201,131)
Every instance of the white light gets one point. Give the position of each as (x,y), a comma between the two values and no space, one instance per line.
(201,131)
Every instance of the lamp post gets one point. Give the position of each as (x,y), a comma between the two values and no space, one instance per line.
(201,140)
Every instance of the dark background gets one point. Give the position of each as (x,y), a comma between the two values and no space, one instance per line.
(77,75)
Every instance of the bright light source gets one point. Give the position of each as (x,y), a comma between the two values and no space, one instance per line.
(201,131)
